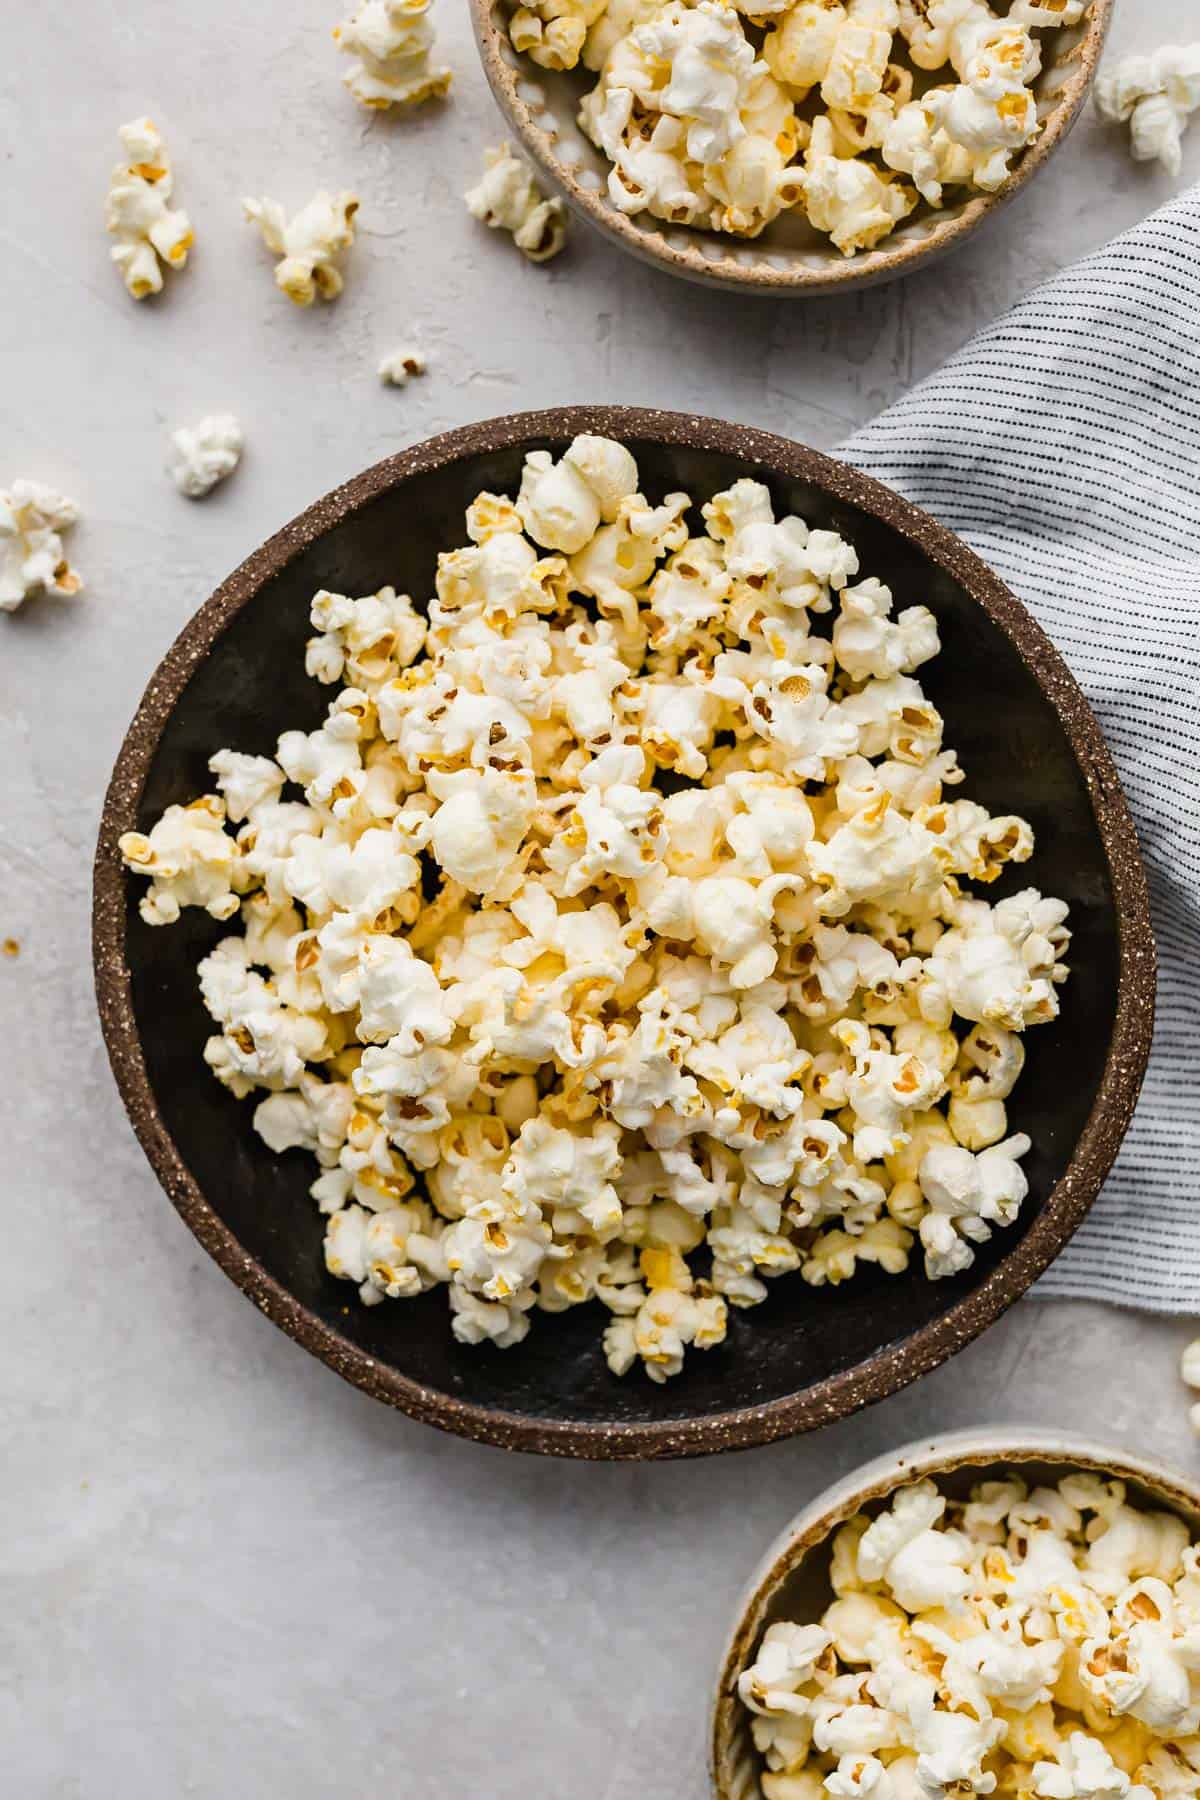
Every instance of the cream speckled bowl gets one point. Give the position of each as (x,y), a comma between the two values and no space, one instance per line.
(790,257)
(791,1581)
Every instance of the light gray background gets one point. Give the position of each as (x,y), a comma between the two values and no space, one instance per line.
(222,1571)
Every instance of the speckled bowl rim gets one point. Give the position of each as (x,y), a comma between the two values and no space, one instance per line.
(991,1448)
(837,1395)
(862,270)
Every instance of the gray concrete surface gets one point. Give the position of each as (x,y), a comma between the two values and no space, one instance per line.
(222,1572)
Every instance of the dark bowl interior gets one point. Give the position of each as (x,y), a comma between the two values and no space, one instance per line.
(1018,757)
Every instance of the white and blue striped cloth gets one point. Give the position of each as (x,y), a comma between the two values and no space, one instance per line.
(1063,443)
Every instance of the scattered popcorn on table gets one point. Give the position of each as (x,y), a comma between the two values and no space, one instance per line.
(704,108)
(146,228)
(32,520)
(202,455)
(308,244)
(399,367)
(507,198)
(391,41)
(1038,1645)
(1156,96)
(611,939)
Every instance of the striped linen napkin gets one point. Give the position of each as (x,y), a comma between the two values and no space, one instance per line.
(1063,444)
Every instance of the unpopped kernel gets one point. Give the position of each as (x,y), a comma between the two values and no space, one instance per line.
(614,938)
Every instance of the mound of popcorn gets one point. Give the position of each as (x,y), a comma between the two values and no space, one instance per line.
(726,113)
(1039,1645)
(611,938)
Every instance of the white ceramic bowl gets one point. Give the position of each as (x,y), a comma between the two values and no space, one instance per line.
(790,258)
(791,1581)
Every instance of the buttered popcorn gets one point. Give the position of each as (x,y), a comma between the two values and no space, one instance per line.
(612,937)
(507,198)
(148,230)
(1155,96)
(308,244)
(1039,1645)
(724,114)
(32,560)
(391,42)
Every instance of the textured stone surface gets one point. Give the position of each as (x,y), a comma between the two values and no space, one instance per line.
(224,1571)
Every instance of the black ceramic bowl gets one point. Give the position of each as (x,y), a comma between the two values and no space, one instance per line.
(1030,745)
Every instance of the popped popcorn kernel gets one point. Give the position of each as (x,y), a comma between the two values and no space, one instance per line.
(1155,96)
(308,244)
(507,198)
(722,115)
(32,560)
(202,455)
(150,234)
(392,44)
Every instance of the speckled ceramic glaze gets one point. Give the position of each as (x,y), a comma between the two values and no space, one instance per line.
(789,257)
(792,1579)
(235,676)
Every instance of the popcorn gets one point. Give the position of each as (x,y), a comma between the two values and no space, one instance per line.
(508,199)
(948,1660)
(1082,1770)
(848,198)
(371,640)
(708,65)
(391,41)
(913,143)
(246,782)
(970,1192)
(799,50)
(562,504)
(308,244)
(621,947)
(552,33)
(401,366)
(866,642)
(1156,96)
(149,232)
(190,859)
(32,520)
(202,455)
(702,106)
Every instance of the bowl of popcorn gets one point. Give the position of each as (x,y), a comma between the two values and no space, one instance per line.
(789,146)
(566,935)
(996,1614)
